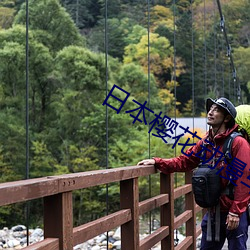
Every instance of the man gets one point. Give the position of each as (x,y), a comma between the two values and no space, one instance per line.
(221,115)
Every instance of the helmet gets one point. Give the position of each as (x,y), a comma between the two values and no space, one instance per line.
(223,103)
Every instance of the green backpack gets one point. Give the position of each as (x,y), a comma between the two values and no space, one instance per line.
(243,119)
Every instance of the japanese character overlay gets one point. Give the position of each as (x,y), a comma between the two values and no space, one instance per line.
(185,145)
(154,121)
(141,108)
(166,128)
(122,101)
(168,125)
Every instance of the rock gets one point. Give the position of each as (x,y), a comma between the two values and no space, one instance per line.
(18,228)
(117,235)
(100,238)
(95,248)
(117,244)
(111,239)
(3,233)
(38,232)
(111,233)
(13,243)
(16,238)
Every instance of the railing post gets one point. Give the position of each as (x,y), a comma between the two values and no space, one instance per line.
(167,210)
(58,219)
(129,198)
(190,205)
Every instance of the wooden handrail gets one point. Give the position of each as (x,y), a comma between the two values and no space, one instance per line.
(58,208)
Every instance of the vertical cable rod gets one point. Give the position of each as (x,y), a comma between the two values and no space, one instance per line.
(27,207)
(107,120)
(215,55)
(205,50)
(149,141)
(175,93)
(192,24)
(229,54)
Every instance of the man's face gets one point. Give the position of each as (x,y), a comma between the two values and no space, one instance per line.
(215,116)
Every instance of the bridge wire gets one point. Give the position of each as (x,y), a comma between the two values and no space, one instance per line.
(175,94)
(205,49)
(229,55)
(205,54)
(27,204)
(107,120)
(222,69)
(149,141)
(215,54)
(193,97)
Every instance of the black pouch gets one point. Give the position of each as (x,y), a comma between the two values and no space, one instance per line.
(206,186)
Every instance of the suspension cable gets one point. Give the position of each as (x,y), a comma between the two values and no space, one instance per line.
(229,53)
(149,141)
(215,53)
(27,207)
(192,23)
(175,94)
(107,120)
(205,51)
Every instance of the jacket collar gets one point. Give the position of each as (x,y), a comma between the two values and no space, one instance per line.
(220,138)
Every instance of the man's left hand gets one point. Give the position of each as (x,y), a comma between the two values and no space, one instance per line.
(232,222)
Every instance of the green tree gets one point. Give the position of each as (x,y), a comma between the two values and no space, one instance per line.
(84,13)
(53,25)
(6,17)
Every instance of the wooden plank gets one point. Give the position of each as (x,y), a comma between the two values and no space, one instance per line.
(58,219)
(198,208)
(152,203)
(154,238)
(198,231)
(182,218)
(98,177)
(167,210)
(190,205)
(185,244)
(182,190)
(46,244)
(24,190)
(90,230)
(129,196)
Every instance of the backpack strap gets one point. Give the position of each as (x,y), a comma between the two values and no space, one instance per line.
(227,151)
(227,147)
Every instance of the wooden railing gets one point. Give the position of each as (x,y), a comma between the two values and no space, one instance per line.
(56,192)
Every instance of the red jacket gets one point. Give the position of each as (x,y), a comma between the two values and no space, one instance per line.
(240,150)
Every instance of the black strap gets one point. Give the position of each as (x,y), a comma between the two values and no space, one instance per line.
(227,147)
(227,151)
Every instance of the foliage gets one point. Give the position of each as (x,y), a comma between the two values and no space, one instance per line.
(160,53)
(53,25)
(6,17)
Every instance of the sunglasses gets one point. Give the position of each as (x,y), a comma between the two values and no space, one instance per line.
(221,102)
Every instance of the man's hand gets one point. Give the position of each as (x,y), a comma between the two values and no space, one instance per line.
(232,221)
(146,162)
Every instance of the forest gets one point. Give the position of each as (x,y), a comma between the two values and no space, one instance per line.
(70,53)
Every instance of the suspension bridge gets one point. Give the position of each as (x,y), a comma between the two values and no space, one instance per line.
(56,193)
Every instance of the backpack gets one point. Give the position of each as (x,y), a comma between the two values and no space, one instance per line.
(205,181)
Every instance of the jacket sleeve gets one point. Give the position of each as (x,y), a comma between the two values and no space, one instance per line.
(181,163)
(240,165)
